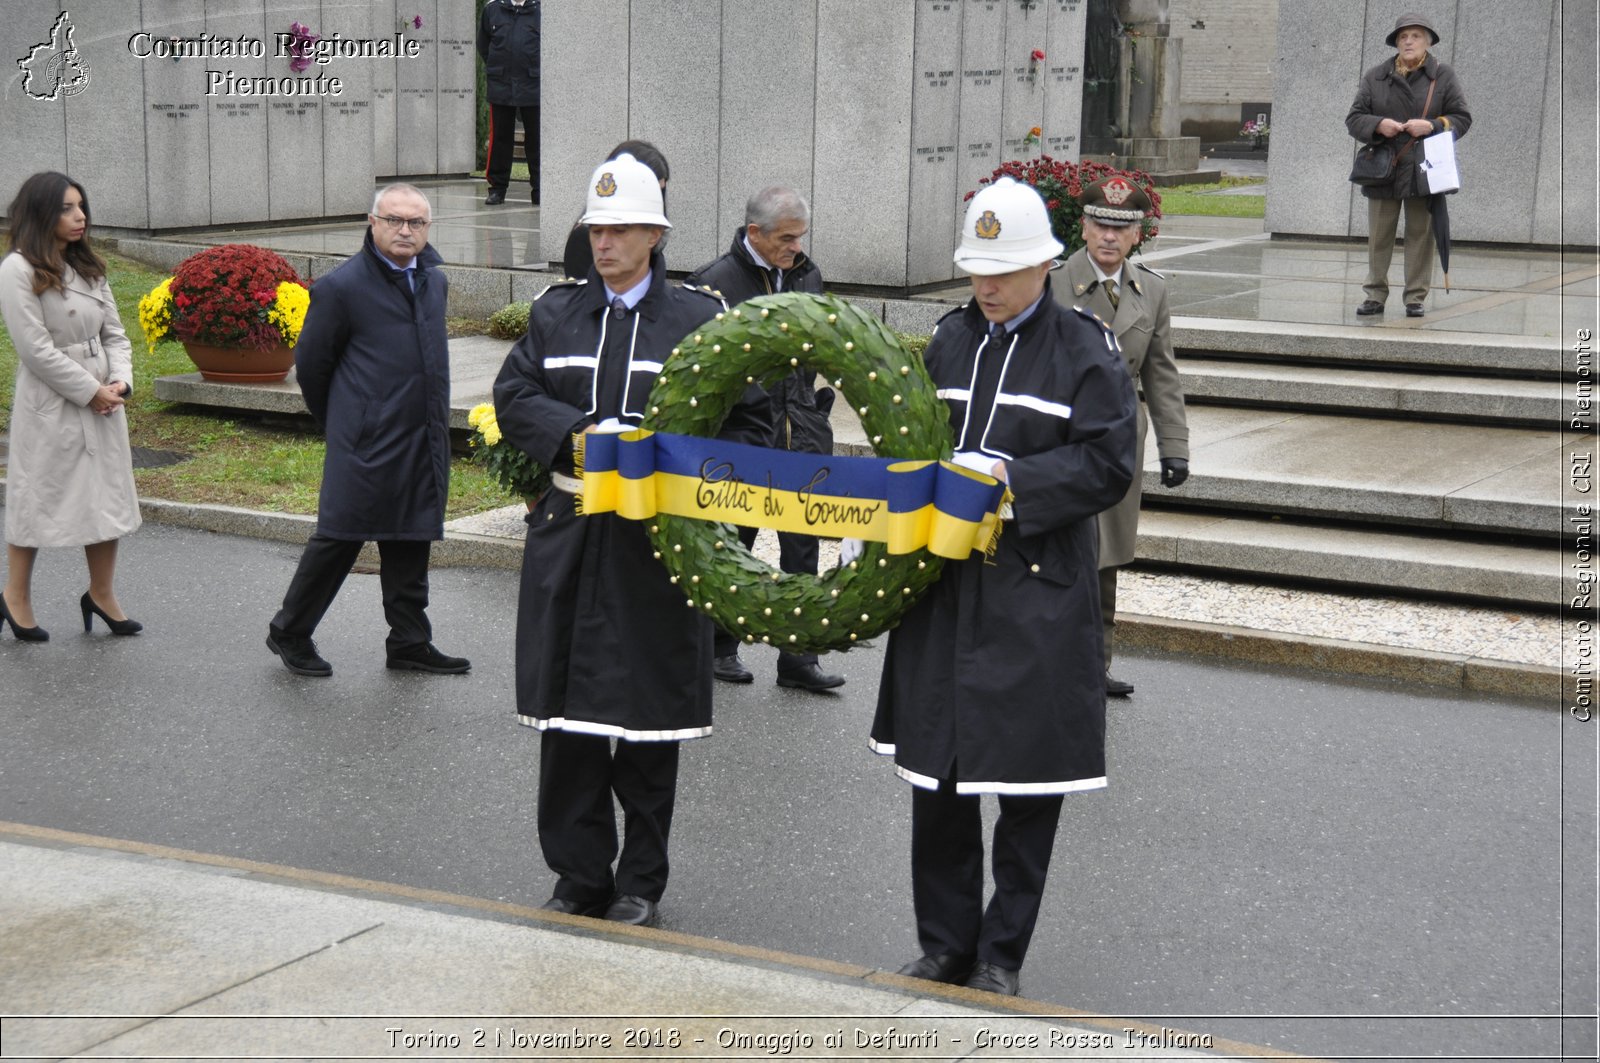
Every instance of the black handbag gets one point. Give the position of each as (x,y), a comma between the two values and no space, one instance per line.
(1374,164)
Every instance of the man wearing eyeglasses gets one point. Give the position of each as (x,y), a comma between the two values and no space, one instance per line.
(373,365)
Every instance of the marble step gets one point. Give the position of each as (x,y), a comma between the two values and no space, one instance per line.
(1294,343)
(1379,391)
(1460,478)
(1393,562)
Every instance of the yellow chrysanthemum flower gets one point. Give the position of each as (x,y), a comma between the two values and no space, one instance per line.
(479,413)
(288,312)
(155,313)
(491,433)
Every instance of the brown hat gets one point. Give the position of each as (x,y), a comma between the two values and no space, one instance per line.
(1115,201)
(1411,20)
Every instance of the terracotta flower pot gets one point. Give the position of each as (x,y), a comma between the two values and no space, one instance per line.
(228,365)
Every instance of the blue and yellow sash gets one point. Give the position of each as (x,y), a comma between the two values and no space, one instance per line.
(908,505)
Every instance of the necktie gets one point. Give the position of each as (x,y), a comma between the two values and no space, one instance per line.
(619,309)
(411,278)
(1111,293)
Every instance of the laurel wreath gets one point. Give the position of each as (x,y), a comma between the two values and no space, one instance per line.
(762,340)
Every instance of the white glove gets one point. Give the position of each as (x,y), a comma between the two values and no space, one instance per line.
(611,426)
(971,459)
(850,550)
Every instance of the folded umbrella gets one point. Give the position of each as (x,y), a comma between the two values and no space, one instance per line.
(1440,212)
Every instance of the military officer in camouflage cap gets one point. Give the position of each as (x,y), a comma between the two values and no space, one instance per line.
(1132,299)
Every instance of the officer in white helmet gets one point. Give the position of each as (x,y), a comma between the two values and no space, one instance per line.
(994,682)
(605,649)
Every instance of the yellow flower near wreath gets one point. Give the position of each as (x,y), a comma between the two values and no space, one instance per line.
(511,468)
(483,411)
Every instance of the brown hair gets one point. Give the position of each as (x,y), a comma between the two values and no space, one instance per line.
(34,215)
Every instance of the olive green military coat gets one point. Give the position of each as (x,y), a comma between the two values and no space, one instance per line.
(1143,327)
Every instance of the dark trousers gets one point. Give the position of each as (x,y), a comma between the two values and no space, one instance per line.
(323,567)
(947,873)
(796,553)
(578,773)
(503,120)
(1108,608)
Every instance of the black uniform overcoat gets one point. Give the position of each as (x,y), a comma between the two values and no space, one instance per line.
(996,677)
(605,643)
(794,412)
(508,44)
(373,362)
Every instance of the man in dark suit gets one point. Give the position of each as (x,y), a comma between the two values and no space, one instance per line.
(766,258)
(373,363)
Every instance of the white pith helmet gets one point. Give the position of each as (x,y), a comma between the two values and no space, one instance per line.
(624,191)
(1006,229)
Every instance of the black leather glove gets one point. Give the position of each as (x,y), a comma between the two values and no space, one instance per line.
(1174,471)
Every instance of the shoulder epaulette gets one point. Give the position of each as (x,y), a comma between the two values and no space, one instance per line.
(705,290)
(565,282)
(1105,329)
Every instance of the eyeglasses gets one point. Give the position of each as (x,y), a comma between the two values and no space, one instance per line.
(414,224)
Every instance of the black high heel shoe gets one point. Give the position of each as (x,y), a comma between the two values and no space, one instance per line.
(118,627)
(23,634)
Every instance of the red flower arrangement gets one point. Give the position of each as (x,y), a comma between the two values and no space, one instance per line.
(1060,183)
(224,297)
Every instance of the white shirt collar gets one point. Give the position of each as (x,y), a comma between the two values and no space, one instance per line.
(631,297)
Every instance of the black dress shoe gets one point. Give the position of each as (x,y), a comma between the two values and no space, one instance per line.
(425,658)
(566,907)
(90,610)
(1368,308)
(1116,688)
(495,197)
(299,655)
(635,911)
(810,677)
(730,669)
(23,634)
(992,979)
(946,967)
(1414,310)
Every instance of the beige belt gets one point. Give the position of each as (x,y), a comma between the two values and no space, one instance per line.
(562,482)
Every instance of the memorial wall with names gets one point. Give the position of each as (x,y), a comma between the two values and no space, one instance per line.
(884,115)
(191,113)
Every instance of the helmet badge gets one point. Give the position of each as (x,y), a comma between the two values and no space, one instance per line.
(987,226)
(1117,191)
(606,186)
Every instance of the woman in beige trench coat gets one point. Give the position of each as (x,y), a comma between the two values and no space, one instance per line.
(69,479)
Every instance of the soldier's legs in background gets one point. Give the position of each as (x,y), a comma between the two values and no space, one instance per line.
(796,553)
(1108,609)
(502,138)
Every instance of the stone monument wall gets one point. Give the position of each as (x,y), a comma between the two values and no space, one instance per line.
(218,129)
(1528,73)
(883,114)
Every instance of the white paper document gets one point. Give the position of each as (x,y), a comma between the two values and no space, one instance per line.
(1439,162)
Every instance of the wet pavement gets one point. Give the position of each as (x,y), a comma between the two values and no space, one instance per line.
(1281,858)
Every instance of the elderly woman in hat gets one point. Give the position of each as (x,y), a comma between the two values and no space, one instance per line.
(1403,99)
